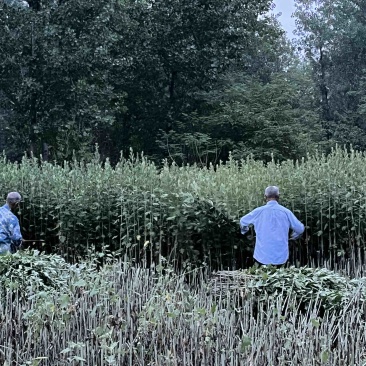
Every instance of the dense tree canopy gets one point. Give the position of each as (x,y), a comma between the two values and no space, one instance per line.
(333,38)
(192,80)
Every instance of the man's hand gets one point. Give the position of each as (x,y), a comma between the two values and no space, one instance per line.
(244,229)
(15,246)
(294,236)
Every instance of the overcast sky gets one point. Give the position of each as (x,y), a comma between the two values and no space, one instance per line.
(286,7)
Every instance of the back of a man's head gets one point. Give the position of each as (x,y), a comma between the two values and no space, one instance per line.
(272,192)
(13,197)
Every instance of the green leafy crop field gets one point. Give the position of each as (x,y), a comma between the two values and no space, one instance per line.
(189,214)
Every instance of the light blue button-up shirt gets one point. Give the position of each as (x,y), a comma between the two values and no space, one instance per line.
(9,229)
(272,223)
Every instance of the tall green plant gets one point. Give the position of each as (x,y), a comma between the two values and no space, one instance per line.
(188,213)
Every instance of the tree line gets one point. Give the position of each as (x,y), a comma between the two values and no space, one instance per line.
(194,81)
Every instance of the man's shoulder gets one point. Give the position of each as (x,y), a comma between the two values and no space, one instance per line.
(4,211)
(285,209)
(6,214)
(255,210)
(259,208)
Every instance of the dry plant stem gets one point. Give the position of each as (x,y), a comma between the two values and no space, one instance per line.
(128,315)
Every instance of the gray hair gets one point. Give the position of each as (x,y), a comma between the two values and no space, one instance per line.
(13,197)
(272,192)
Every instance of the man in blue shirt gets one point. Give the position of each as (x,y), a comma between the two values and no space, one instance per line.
(272,224)
(10,235)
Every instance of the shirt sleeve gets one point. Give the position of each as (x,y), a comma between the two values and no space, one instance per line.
(296,226)
(247,220)
(14,229)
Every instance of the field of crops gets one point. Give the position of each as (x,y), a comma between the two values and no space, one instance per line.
(54,313)
(189,214)
(145,265)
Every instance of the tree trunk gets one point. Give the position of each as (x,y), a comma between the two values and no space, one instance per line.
(45,152)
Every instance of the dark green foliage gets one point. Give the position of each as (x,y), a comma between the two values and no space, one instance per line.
(332,37)
(187,80)
(54,70)
(75,73)
(208,232)
(267,111)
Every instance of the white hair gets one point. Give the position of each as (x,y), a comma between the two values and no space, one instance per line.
(272,192)
(13,197)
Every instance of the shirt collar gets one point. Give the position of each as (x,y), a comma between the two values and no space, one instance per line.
(272,202)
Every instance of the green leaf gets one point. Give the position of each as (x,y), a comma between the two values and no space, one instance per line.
(315,323)
(80,283)
(245,343)
(325,356)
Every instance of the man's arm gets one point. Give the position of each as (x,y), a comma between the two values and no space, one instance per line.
(14,229)
(247,220)
(296,226)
